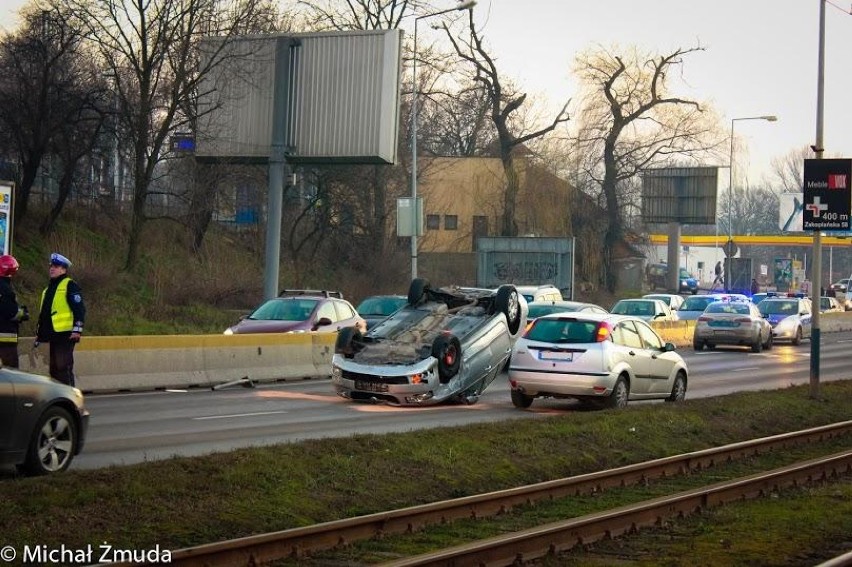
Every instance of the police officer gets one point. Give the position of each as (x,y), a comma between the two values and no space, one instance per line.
(60,319)
(11,314)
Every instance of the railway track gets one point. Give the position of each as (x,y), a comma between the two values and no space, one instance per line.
(300,542)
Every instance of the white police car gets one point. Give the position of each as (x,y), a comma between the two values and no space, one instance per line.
(789,316)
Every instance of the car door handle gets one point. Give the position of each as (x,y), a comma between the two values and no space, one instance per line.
(631,353)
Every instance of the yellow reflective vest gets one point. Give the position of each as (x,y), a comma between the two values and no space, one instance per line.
(60,311)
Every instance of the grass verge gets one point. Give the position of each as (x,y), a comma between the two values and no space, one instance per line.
(188,501)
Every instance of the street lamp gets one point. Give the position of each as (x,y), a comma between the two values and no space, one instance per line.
(768,118)
(415,91)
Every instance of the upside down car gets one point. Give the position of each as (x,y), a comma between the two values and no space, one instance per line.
(445,345)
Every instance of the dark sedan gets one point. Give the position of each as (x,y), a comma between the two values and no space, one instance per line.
(42,422)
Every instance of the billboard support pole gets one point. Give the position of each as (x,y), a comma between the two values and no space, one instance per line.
(816,292)
(279,169)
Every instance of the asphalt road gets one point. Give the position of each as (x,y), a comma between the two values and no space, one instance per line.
(137,427)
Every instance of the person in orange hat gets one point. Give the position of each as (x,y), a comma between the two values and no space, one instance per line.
(11,314)
(60,319)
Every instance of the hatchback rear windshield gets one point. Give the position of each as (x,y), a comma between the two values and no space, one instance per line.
(727,307)
(563,331)
(697,303)
(779,307)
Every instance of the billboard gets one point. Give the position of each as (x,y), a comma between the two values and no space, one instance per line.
(827,194)
(686,195)
(342,92)
(6,190)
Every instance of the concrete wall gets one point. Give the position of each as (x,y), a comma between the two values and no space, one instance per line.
(109,364)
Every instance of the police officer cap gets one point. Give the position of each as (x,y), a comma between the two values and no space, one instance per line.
(59,260)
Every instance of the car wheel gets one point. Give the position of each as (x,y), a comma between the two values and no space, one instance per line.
(508,303)
(346,343)
(447,349)
(417,289)
(521,400)
(797,340)
(678,388)
(710,346)
(757,345)
(53,443)
(697,345)
(620,393)
(768,344)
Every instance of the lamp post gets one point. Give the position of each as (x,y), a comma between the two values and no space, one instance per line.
(768,118)
(415,216)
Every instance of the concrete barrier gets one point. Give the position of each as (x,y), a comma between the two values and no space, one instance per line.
(139,363)
(104,364)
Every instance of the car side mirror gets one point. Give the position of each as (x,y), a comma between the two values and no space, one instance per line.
(323,322)
(669,347)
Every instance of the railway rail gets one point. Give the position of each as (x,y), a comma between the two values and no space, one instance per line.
(303,541)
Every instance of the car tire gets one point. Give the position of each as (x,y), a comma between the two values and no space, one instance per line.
(447,350)
(757,345)
(417,290)
(797,339)
(346,343)
(521,400)
(768,344)
(53,443)
(697,345)
(710,346)
(508,302)
(619,396)
(678,388)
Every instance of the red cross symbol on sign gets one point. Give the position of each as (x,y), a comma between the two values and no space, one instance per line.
(816,207)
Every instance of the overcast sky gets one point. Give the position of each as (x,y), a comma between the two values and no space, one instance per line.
(760,58)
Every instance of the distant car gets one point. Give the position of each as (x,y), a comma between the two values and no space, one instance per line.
(790,317)
(732,323)
(539,308)
(842,292)
(533,293)
(377,307)
(446,344)
(43,422)
(673,300)
(645,309)
(657,276)
(601,358)
(829,305)
(758,297)
(301,311)
(694,306)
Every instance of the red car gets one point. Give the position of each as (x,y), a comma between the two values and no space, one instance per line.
(301,311)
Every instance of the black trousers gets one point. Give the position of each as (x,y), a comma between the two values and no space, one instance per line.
(62,360)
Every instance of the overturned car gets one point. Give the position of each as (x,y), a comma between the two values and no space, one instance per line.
(445,345)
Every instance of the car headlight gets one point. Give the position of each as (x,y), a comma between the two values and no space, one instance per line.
(228,331)
(336,374)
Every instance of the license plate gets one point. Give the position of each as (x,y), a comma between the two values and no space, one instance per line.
(370,386)
(555,355)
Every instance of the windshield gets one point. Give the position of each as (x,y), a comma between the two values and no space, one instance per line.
(696,303)
(380,305)
(725,307)
(562,331)
(637,308)
(778,307)
(824,303)
(285,310)
(540,310)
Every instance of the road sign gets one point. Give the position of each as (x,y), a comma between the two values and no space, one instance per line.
(827,194)
(730,248)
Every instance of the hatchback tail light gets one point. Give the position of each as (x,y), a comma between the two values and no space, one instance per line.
(603,332)
(705,319)
(742,320)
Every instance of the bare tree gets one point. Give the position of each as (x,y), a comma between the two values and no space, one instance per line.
(504,102)
(323,15)
(150,48)
(48,87)
(631,121)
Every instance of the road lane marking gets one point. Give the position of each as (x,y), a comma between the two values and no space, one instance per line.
(238,415)
(745,369)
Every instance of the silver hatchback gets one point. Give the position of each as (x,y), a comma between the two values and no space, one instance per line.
(605,359)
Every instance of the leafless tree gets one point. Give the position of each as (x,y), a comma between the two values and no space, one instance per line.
(324,15)
(504,103)
(51,100)
(150,49)
(632,121)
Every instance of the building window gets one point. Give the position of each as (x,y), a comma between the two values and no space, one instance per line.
(433,222)
(451,222)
